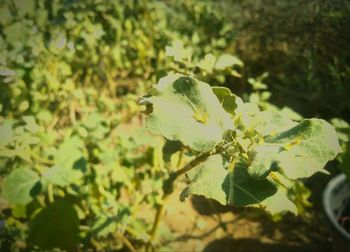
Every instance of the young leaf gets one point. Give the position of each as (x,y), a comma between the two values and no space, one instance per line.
(228,100)
(185,109)
(207,63)
(226,61)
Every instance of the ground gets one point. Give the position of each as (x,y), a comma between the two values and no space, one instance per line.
(199,224)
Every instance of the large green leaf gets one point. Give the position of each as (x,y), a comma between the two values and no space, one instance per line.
(20,185)
(56,226)
(212,180)
(185,109)
(299,152)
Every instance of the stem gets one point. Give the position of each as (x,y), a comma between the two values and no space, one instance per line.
(180,158)
(168,188)
(126,242)
(199,159)
(50,193)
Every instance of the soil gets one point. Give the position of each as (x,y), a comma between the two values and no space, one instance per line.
(199,224)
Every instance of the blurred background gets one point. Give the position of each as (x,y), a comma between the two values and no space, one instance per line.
(73,151)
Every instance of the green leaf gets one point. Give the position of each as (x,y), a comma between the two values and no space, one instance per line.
(60,176)
(212,180)
(70,163)
(18,186)
(31,124)
(265,160)
(228,100)
(207,63)
(185,109)
(271,122)
(56,226)
(314,138)
(299,152)
(69,152)
(178,51)
(6,133)
(279,202)
(226,61)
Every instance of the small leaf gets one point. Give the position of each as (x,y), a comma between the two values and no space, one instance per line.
(6,133)
(178,51)
(18,186)
(226,61)
(207,63)
(56,226)
(228,100)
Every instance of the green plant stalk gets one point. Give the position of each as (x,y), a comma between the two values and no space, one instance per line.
(168,188)
(50,193)
(126,242)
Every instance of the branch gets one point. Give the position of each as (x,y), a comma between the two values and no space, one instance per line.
(195,162)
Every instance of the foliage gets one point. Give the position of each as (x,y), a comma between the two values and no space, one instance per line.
(255,156)
(73,148)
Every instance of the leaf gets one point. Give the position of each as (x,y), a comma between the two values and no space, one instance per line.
(178,51)
(70,163)
(16,32)
(212,180)
(25,6)
(18,186)
(265,160)
(299,152)
(69,152)
(318,140)
(228,100)
(59,176)
(6,133)
(187,110)
(279,202)
(271,122)
(226,61)
(31,124)
(56,226)
(207,63)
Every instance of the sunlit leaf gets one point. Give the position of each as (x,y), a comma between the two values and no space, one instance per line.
(186,109)
(226,61)
(17,187)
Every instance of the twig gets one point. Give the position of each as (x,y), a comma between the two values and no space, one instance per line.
(126,242)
